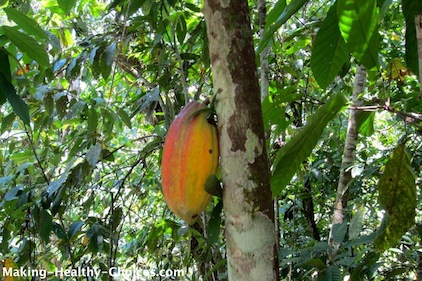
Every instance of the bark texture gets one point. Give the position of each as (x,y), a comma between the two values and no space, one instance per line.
(340,203)
(249,215)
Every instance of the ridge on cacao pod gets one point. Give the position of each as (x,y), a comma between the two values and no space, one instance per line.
(190,156)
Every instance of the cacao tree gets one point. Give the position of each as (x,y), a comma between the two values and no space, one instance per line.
(89,89)
(248,208)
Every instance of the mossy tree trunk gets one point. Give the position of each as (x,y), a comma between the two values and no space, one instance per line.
(248,208)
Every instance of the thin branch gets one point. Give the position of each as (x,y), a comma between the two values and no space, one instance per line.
(31,142)
(179,59)
(349,151)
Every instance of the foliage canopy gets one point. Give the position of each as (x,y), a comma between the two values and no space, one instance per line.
(88,90)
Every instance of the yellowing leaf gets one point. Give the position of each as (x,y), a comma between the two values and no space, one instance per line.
(397,196)
(10,268)
(396,70)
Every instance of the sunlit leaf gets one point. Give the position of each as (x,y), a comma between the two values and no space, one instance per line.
(329,52)
(66,5)
(365,122)
(358,22)
(282,17)
(275,12)
(27,44)
(397,196)
(26,23)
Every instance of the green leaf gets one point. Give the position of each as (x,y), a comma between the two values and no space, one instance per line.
(357,23)
(290,156)
(339,231)
(5,75)
(92,120)
(214,224)
(411,8)
(117,217)
(74,228)
(282,17)
(93,154)
(59,231)
(213,187)
(96,238)
(181,29)
(19,106)
(107,59)
(355,226)
(26,23)
(27,44)
(332,273)
(365,122)
(66,5)
(275,12)
(45,225)
(124,117)
(397,196)
(329,52)
(4,62)
(370,57)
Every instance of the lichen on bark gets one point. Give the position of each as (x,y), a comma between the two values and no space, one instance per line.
(247,198)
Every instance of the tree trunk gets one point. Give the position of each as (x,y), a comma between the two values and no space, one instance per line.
(348,159)
(249,215)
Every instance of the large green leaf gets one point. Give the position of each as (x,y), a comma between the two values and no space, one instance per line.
(411,8)
(282,16)
(275,12)
(290,156)
(397,196)
(27,44)
(358,23)
(365,122)
(66,5)
(329,52)
(26,23)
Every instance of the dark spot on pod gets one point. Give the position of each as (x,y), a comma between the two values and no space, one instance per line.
(210,151)
(195,216)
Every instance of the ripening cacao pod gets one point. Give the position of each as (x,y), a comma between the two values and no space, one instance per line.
(190,156)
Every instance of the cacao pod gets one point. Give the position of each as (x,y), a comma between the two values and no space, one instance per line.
(190,156)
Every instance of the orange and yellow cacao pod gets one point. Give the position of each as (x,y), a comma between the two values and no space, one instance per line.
(190,156)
